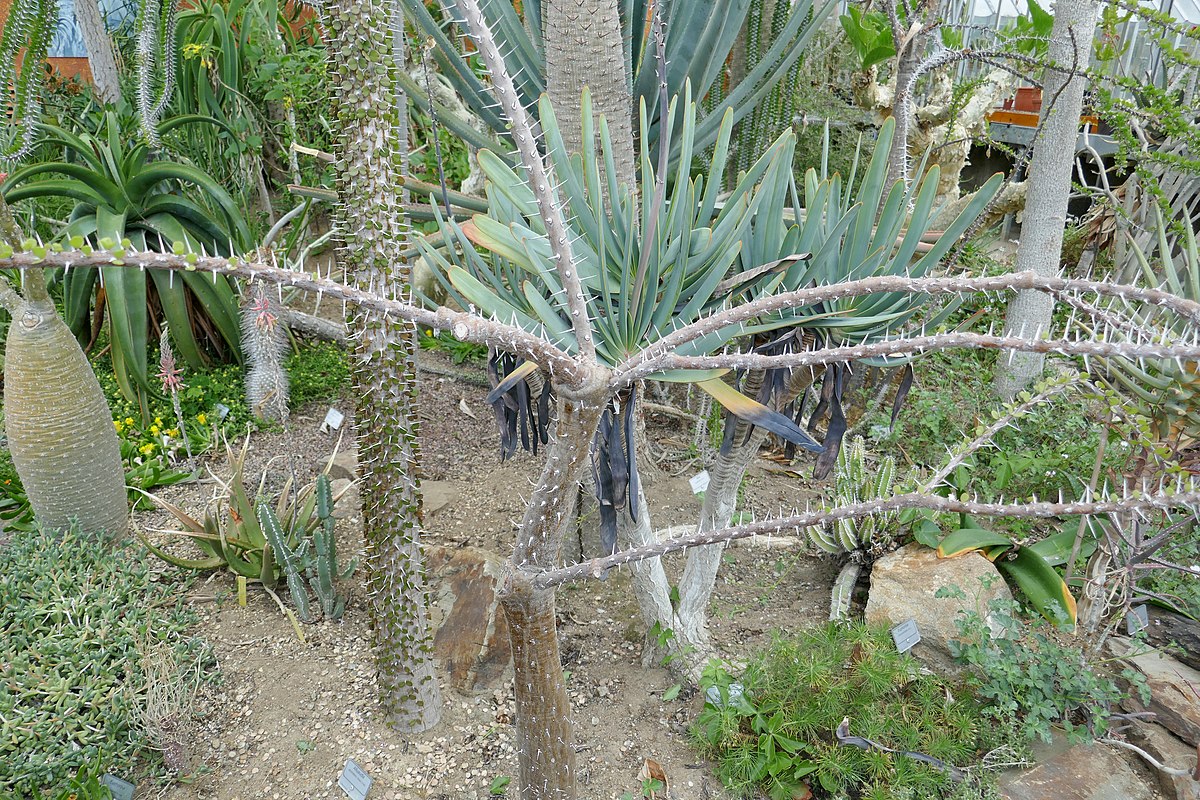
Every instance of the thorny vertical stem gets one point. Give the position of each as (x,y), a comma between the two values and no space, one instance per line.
(539,181)
(545,750)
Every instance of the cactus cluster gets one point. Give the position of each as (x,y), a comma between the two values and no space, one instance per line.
(866,537)
(265,343)
(309,562)
(266,540)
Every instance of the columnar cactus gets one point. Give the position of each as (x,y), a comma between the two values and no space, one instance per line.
(385,371)
(264,342)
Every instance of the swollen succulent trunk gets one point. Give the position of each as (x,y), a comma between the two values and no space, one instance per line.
(384,373)
(59,427)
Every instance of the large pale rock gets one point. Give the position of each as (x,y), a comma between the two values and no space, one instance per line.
(1171,752)
(1174,688)
(903,585)
(472,641)
(1079,772)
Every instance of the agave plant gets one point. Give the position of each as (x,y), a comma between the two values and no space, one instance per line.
(638,290)
(1167,392)
(122,193)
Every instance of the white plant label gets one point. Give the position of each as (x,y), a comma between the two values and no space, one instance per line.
(1137,620)
(333,420)
(222,411)
(905,635)
(121,790)
(699,482)
(355,781)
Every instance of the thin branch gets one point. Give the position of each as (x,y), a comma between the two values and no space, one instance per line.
(1151,760)
(903,347)
(541,184)
(651,359)
(797,522)
(464,326)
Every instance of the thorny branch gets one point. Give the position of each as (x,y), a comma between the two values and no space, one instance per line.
(796,522)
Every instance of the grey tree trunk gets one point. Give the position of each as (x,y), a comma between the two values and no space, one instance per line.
(384,374)
(1049,185)
(101,58)
(584,44)
(59,427)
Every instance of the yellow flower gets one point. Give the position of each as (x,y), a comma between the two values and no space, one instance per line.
(129,421)
(201,418)
(158,421)
(117,424)
(146,449)
(173,432)
(154,430)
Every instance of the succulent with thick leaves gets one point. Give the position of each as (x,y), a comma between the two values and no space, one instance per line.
(1166,392)
(701,37)
(264,540)
(121,194)
(852,233)
(866,537)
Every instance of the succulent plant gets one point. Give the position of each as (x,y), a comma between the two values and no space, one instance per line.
(289,538)
(864,538)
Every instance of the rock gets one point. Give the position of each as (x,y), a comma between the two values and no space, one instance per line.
(1168,628)
(1078,772)
(345,465)
(1174,688)
(1170,751)
(903,585)
(472,643)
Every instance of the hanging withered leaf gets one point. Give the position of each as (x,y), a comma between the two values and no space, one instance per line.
(520,417)
(614,467)
(756,413)
(906,383)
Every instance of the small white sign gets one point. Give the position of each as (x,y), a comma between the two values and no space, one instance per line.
(121,790)
(905,635)
(355,781)
(333,420)
(222,411)
(1137,620)
(699,482)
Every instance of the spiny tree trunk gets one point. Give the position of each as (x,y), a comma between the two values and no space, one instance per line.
(384,375)
(1049,186)
(584,48)
(101,60)
(545,742)
(59,427)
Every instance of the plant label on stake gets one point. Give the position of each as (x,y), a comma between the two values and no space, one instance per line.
(905,635)
(222,411)
(121,790)
(333,420)
(699,481)
(1137,620)
(354,780)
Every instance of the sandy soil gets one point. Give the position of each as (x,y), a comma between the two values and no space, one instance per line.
(284,716)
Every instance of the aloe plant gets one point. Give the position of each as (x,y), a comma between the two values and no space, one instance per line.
(122,193)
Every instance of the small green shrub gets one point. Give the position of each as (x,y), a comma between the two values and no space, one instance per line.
(318,371)
(72,612)
(777,727)
(1030,681)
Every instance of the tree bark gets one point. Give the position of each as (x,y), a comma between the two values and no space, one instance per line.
(101,59)
(1049,186)
(545,751)
(583,46)
(384,374)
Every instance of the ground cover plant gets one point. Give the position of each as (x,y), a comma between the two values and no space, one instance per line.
(72,614)
(792,719)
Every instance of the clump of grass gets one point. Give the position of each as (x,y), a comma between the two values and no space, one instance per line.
(777,727)
(72,612)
